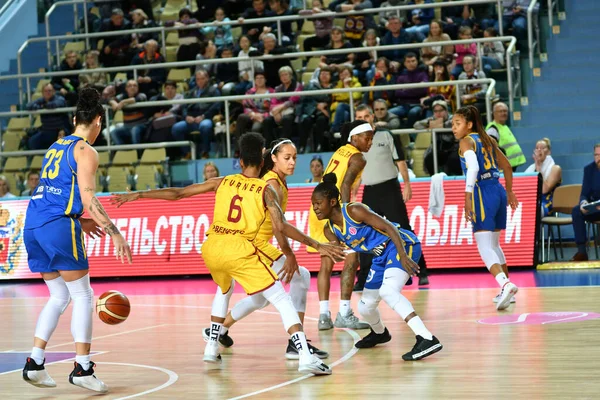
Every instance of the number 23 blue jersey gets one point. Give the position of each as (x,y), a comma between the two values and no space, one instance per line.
(57,195)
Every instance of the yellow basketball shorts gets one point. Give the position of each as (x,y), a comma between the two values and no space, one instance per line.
(229,257)
(315,230)
(267,252)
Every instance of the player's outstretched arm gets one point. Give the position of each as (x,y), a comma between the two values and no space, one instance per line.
(355,166)
(504,164)
(334,252)
(360,213)
(87,164)
(171,194)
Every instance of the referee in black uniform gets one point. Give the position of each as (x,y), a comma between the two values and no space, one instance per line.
(382,190)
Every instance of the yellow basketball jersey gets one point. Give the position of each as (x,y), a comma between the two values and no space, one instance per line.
(239,207)
(339,164)
(266,229)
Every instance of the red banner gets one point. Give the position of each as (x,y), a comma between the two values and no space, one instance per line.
(166,237)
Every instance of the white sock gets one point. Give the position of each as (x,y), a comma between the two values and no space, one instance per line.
(84,361)
(299,340)
(224,330)
(344,308)
(502,279)
(418,327)
(324,306)
(38,355)
(215,332)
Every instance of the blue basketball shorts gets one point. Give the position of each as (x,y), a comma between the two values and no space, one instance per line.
(489,206)
(390,259)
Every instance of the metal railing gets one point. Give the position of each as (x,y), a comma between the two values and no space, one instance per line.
(226,99)
(269,20)
(533,44)
(552,4)
(194,63)
(6,6)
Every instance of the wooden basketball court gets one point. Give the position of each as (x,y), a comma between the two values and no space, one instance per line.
(547,346)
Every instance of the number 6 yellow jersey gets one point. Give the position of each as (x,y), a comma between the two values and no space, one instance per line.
(240,208)
(57,195)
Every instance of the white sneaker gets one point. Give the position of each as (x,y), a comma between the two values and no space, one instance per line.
(313,365)
(495,299)
(508,291)
(37,375)
(211,353)
(86,379)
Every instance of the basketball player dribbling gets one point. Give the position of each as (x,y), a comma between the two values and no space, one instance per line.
(485,197)
(241,205)
(53,236)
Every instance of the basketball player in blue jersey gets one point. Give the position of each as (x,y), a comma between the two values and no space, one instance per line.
(395,251)
(485,198)
(53,236)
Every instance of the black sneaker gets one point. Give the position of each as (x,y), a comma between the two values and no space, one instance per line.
(424,280)
(37,375)
(291,353)
(373,339)
(423,348)
(224,339)
(86,379)
(409,281)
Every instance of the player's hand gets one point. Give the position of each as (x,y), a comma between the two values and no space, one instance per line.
(290,267)
(90,227)
(332,250)
(469,215)
(512,200)
(411,267)
(407,192)
(120,199)
(122,249)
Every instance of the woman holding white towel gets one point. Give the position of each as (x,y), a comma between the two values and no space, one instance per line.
(551,172)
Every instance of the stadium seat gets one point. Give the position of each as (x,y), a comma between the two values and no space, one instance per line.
(118,117)
(306,78)
(14,181)
(171,55)
(147,177)
(14,164)
(172,38)
(308,27)
(103,158)
(300,41)
(118,179)
(423,140)
(179,75)
(18,124)
(36,163)
(125,157)
(313,63)
(153,156)
(78,47)
(11,140)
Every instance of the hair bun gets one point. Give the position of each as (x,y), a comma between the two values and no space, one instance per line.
(330,178)
(88,98)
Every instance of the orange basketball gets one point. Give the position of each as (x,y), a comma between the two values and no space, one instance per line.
(113,307)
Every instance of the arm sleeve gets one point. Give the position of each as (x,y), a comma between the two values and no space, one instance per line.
(472,170)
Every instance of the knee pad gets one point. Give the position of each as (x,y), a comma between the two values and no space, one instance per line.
(278,264)
(302,279)
(277,296)
(59,294)
(259,302)
(367,304)
(498,249)
(486,247)
(220,303)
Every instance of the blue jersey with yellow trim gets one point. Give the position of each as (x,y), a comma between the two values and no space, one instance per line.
(363,238)
(57,195)
(488,166)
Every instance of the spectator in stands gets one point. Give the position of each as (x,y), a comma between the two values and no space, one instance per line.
(134,119)
(514,15)
(94,79)
(226,74)
(199,116)
(130,6)
(314,114)
(149,80)
(364,61)
(356,24)
(544,164)
(220,34)
(210,171)
(140,20)
(67,85)
(254,30)
(493,52)
(430,55)
(189,39)
(454,17)
(395,35)
(473,94)
(207,51)
(5,193)
(316,170)
(33,179)
(256,110)
(206,9)
(420,19)
(463,50)
(280,8)
(170,93)
(446,92)
(115,50)
(245,67)
(283,113)
(52,124)
(383,118)
(337,61)
(163,118)
(272,67)
(385,15)
(323,27)
(381,76)
(499,130)
(590,192)
(408,101)
(447,146)
(340,102)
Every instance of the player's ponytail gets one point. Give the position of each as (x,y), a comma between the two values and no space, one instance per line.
(328,187)
(471,114)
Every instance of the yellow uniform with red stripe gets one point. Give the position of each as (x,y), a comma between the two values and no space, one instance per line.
(229,252)
(339,166)
(268,252)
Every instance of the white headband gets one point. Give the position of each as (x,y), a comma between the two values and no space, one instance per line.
(362,128)
(279,144)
